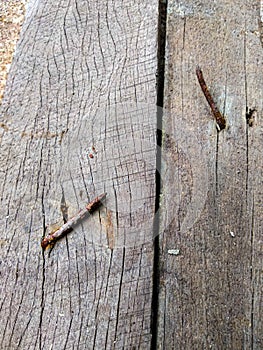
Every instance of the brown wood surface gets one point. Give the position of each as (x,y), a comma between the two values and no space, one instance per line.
(211,245)
(64,141)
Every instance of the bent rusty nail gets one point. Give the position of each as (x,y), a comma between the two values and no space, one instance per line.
(68,226)
(220,120)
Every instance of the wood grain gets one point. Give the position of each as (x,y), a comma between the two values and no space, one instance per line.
(82,81)
(211,289)
(79,119)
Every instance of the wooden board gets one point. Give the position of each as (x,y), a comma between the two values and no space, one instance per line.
(211,241)
(78,119)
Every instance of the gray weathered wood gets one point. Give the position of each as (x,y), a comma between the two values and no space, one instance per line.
(84,77)
(211,283)
(75,61)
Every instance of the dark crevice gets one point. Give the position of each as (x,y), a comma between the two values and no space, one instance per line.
(42,303)
(160,101)
(260,27)
(252,253)
(119,296)
(250,116)
(64,207)
(216,168)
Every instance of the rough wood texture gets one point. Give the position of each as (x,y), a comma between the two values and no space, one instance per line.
(211,283)
(64,141)
(79,119)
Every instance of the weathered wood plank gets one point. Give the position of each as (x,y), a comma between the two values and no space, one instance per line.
(63,141)
(211,282)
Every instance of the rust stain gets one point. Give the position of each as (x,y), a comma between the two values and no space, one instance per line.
(110,230)
(4,126)
(43,134)
(63,132)
(92,151)
(3,242)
